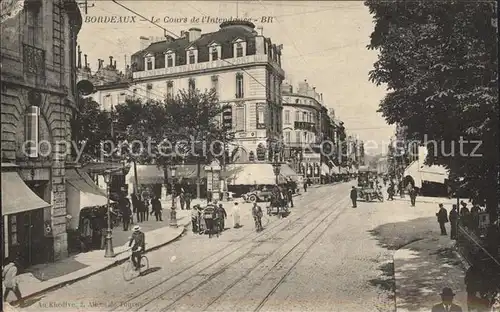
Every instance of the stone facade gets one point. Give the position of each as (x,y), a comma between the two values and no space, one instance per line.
(38,70)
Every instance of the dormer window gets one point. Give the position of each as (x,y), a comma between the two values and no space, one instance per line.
(192,58)
(149,63)
(170,60)
(192,55)
(239,48)
(214,54)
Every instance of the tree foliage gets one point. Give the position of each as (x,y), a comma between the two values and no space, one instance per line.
(439,62)
(89,127)
(185,128)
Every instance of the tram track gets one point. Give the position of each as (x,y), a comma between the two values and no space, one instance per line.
(219,254)
(337,213)
(321,216)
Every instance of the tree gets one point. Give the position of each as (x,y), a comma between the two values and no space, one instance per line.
(185,128)
(90,126)
(439,62)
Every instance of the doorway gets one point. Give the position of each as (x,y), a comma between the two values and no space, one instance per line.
(29,237)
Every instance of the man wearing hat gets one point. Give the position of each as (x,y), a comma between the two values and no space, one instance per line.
(447,304)
(138,244)
(442,218)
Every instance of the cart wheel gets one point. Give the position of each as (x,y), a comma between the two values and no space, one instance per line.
(252,198)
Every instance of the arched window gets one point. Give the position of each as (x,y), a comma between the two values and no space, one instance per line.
(31,131)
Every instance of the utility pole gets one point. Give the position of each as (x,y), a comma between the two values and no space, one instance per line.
(85,4)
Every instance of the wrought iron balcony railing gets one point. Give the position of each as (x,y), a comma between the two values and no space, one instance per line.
(33,60)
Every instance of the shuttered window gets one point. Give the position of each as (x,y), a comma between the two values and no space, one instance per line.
(32,131)
(58,35)
(261,117)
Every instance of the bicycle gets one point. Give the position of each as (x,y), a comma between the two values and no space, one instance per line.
(128,267)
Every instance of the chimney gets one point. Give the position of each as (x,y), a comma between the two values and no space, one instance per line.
(79,65)
(261,30)
(194,34)
(110,61)
(184,34)
(85,58)
(144,42)
(114,65)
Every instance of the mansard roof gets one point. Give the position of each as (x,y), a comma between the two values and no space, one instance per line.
(224,37)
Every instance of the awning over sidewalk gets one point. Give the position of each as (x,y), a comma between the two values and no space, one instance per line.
(17,196)
(251,174)
(287,172)
(152,174)
(325,170)
(81,192)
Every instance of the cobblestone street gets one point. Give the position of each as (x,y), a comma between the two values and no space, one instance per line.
(326,256)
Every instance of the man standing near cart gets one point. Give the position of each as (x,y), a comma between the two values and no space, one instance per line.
(354,196)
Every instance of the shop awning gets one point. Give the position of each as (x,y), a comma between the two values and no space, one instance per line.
(436,174)
(325,170)
(90,193)
(287,172)
(17,196)
(252,174)
(152,174)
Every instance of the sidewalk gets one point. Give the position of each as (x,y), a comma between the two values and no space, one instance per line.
(428,200)
(46,277)
(422,269)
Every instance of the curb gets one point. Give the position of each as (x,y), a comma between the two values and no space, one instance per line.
(109,266)
(462,259)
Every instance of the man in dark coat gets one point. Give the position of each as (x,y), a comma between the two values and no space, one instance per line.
(454,222)
(124,205)
(136,204)
(188,200)
(447,304)
(223,216)
(413,196)
(442,218)
(156,208)
(354,196)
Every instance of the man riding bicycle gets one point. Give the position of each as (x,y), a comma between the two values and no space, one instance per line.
(137,243)
(257,216)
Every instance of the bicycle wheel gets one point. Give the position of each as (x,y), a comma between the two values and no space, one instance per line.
(128,270)
(144,263)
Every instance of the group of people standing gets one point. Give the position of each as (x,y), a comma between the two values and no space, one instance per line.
(140,207)
(468,218)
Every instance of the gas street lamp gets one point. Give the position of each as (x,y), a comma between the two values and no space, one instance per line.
(109,253)
(173,214)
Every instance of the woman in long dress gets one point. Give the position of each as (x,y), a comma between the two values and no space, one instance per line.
(236,215)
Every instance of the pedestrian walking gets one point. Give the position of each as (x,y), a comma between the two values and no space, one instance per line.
(446,304)
(124,204)
(454,222)
(188,200)
(182,199)
(194,218)
(135,204)
(156,208)
(257,217)
(9,279)
(390,192)
(145,205)
(465,217)
(290,197)
(305,186)
(442,218)
(413,196)
(354,196)
(236,215)
(223,216)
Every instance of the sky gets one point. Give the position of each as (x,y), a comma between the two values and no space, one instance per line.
(323,42)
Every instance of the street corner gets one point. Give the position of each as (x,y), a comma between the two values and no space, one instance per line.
(422,269)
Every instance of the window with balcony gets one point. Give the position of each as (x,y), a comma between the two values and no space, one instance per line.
(149,63)
(239,86)
(240,117)
(297,116)
(261,117)
(304,116)
(31,131)
(287,117)
(33,54)
(215,84)
(170,60)
(191,57)
(191,85)
(214,54)
(239,50)
(170,90)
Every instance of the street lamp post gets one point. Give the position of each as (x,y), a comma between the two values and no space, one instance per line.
(276,169)
(109,253)
(173,213)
